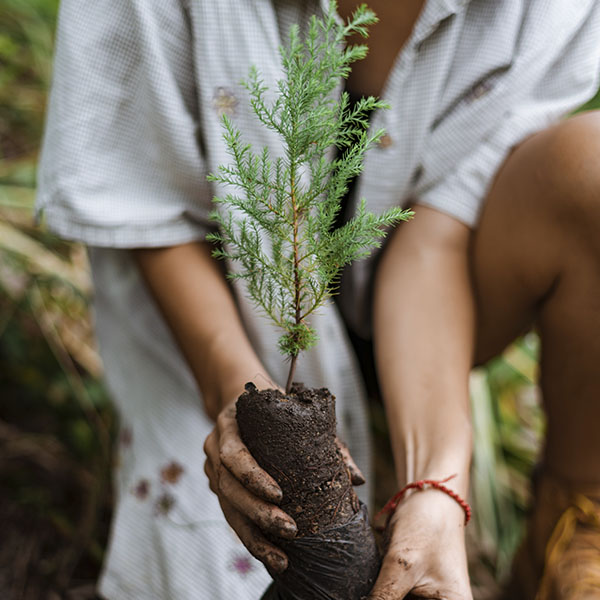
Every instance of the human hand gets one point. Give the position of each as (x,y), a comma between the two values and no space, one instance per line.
(426,555)
(248,495)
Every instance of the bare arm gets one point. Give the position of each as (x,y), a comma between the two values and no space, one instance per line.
(424,378)
(424,345)
(198,305)
(424,323)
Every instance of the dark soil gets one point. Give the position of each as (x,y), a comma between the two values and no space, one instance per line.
(293,438)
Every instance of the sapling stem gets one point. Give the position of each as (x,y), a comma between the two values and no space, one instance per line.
(292,371)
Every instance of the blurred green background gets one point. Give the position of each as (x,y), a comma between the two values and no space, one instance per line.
(56,424)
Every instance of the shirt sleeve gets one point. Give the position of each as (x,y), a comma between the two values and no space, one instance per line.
(544,89)
(121,163)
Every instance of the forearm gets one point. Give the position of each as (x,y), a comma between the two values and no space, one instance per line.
(424,319)
(198,305)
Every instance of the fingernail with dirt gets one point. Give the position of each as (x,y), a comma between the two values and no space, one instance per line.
(357,477)
(287,529)
(276,494)
(277,562)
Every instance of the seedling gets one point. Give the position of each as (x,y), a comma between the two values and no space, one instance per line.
(283,234)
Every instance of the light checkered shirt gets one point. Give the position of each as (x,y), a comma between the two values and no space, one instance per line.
(133,128)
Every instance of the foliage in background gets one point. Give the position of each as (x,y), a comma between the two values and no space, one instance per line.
(26,35)
(593,104)
(508,428)
(55,421)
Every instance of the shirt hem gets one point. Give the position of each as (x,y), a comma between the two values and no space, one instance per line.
(110,589)
(147,235)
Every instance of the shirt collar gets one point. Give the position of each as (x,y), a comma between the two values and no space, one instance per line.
(434,12)
(453,6)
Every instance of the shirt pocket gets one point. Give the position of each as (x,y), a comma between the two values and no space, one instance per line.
(467,121)
(474,93)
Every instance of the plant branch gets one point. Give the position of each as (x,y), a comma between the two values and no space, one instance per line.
(280,228)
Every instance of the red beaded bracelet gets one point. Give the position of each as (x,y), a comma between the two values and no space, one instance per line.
(393,502)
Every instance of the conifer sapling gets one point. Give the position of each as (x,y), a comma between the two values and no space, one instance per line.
(290,254)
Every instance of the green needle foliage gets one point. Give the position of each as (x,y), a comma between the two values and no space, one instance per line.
(280,228)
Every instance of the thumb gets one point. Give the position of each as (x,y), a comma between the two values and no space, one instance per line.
(356,476)
(395,579)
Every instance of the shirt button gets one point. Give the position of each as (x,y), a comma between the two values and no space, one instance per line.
(480,90)
(417,174)
(385,141)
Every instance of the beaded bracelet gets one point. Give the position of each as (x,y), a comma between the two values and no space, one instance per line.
(393,502)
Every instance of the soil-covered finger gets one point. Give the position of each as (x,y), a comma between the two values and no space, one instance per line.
(356,475)
(211,446)
(211,450)
(268,517)
(212,480)
(254,540)
(238,460)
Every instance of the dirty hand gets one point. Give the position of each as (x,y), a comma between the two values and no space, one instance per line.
(426,555)
(248,495)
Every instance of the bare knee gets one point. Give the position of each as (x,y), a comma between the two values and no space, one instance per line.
(566,169)
(541,220)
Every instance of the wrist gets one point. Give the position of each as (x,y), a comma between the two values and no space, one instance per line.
(436,462)
(433,509)
(449,459)
(233,381)
(236,368)
(434,500)
(431,437)
(223,368)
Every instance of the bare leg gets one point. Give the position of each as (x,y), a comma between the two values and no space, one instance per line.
(536,258)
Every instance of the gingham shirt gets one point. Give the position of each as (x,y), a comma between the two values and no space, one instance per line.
(139,86)
(133,128)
